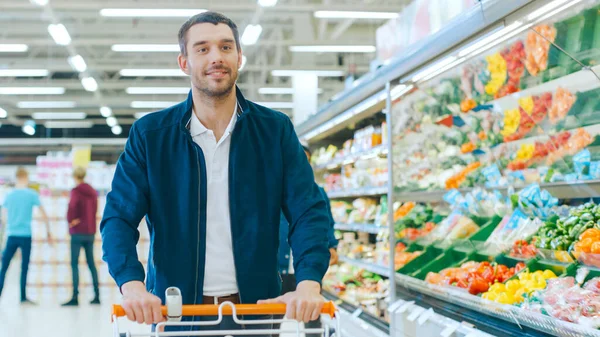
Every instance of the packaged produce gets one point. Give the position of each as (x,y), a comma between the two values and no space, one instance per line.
(513,228)
(523,250)
(561,104)
(497,69)
(535,202)
(455,226)
(514,57)
(457,180)
(537,48)
(514,291)
(587,248)
(340,210)
(560,234)
(363,211)
(474,276)
(412,234)
(403,210)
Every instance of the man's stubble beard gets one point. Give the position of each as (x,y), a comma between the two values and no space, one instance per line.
(217,94)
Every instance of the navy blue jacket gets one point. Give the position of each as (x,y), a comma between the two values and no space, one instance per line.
(284,247)
(162,175)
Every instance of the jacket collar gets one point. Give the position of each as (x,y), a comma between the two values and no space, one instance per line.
(186,106)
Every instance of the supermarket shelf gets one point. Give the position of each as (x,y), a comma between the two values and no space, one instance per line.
(377,269)
(357,312)
(69,285)
(560,190)
(359,192)
(353,157)
(359,227)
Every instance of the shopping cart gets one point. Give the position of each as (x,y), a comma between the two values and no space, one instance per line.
(174,311)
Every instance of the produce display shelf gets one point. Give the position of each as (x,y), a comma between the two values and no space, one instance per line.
(359,227)
(359,192)
(496,319)
(377,269)
(353,157)
(560,190)
(357,312)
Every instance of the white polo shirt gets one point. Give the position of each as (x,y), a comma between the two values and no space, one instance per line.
(219,269)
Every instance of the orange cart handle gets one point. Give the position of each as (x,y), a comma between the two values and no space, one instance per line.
(241,309)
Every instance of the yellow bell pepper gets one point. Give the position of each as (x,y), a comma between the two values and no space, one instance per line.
(527,104)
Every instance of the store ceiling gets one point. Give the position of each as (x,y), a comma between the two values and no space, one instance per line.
(93,36)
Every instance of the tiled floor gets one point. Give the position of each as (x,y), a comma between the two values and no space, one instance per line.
(49,319)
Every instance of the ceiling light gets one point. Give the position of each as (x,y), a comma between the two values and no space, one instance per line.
(277,105)
(28,128)
(333,49)
(490,38)
(13,48)
(59,115)
(444,69)
(24,72)
(251,34)
(105,111)
(151,72)
(400,90)
(116,130)
(323,73)
(45,104)
(89,84)
(68,124)
(139,115)
(157,90)
(280,91)
(561,9)
(161,12)
(244,60)
(354,15)
(77,63)
(433,68)
(518,28)
(128,48)
(3,113)
(31,90)
(39,2)
(151,104)
(267,3)
(111,121)
(60,34)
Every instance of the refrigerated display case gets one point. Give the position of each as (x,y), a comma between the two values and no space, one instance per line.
(493,165)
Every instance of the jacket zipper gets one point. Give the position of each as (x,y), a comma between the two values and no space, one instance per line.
(235,264)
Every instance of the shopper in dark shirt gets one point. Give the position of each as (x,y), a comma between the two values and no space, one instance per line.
(81,216)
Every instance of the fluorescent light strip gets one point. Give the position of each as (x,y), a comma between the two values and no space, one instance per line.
(32,90)
(545,9)
(28,128)
(151,73)
(498,41)
(333,49)
(551,14)
(68,125)
(148,13)
(444,69)
(251,34)
(433,68)
(116,130)
(59,34)
(77,63)
(45,104)
(267,3)
(40,2)
(132,48)
(13,48)
(277,105)
(151,104)
(355,15)
(322,73)
(59,115)
(400,90)
(105,111)
(139,115)
(491,38)
(111,121)
(157,90)
(3,113)
(89,84)
(24,72)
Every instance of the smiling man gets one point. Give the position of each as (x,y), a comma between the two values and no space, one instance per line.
(211,175)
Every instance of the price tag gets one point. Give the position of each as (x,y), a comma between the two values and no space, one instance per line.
(357,312)
(425,316)
(449,330)
(396,305)
(415,313)
(405,306)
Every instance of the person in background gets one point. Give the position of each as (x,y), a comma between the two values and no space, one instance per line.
(81,217)
(19,205)
(286,268)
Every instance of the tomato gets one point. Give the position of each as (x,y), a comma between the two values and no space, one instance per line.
(520,266)
(478,285)
(462,284)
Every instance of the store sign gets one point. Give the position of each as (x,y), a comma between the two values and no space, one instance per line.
(419,20)
(82,155)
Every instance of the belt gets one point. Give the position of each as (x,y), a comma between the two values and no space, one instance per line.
(234,298)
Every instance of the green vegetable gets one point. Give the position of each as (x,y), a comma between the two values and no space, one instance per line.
(587,217)
(574,230)
(558,243)
(571,221)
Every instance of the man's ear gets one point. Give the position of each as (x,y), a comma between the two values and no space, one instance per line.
(183,64)
(239,59)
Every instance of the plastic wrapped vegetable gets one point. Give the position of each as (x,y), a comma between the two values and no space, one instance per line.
(562,103)
(537,47)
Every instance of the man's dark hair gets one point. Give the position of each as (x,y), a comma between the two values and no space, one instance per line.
(207,17)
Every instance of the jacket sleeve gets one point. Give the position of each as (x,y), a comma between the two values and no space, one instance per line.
(126,205)
(72,210)
(305,209)
(333,242)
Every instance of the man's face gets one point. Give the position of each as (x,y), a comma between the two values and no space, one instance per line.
(212,59)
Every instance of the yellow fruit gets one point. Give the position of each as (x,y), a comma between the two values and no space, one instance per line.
(490,296)
(518,299)
(538,273)
(524,276)
(505,298)
(549,274)
(520,292)
(498,288)
(513,285)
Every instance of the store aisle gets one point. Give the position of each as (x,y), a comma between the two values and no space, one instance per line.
(49,319)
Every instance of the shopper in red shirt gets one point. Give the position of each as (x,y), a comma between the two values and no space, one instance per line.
(81,216)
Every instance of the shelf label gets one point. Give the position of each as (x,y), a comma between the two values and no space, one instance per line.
(357,312)
(405,306)
(415,313)
(450,329)
(425,316)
